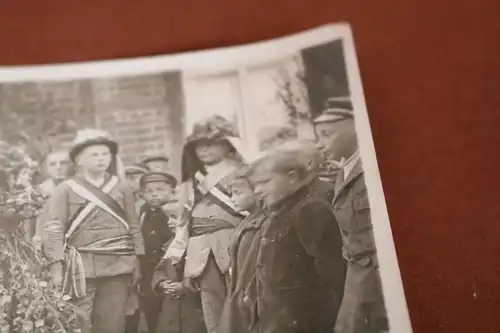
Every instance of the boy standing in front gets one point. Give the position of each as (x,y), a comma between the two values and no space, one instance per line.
(91,237)
(156,189)
(299,268)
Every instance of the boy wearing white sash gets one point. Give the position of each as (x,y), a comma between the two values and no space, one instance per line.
(92,235)
(211,158)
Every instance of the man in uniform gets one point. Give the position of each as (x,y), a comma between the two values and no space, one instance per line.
(362,309)
(209,163)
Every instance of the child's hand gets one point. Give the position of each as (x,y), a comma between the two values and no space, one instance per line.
(174,290)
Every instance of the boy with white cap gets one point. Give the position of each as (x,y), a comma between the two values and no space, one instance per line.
(92,235)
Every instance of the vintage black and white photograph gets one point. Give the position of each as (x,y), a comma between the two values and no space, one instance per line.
(223,191)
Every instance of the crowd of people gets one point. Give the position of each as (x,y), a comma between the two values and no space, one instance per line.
(237,244)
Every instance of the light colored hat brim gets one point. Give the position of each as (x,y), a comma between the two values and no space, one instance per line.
(136,169)
(333,115)
(78,148)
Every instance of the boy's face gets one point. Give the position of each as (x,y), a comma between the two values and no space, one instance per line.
(157,193)
(133,180)
(272,187)
(242,195)
(57,165)
(337,139)
(211,152)
(95,158)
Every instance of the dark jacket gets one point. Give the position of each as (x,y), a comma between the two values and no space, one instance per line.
(240,310)
(156,233)
(300,272)
(362,307)
(177,316)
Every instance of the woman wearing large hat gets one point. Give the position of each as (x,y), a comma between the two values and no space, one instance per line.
(91,233)
(212,155)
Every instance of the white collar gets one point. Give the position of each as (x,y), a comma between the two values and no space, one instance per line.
(349,164)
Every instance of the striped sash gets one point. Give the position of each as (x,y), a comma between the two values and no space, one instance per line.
(218,193)
(204,186)
(74,283)
(97,199)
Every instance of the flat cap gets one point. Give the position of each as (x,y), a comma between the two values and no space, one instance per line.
(136,168)
(158,158)
(337,108)
(156,177)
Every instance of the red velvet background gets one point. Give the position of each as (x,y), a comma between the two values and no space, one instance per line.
(431,73)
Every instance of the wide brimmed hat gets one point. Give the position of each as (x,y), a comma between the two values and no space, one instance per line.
(156,177)
(212,128)
(91,137)
(336,109)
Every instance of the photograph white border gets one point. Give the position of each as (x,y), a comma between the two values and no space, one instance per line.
(223,59)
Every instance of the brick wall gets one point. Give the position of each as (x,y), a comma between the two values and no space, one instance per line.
(143,113)
(139,114)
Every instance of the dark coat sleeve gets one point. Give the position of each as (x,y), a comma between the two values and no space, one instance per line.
(320,236)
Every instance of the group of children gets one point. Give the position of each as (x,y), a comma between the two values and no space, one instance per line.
(237,245)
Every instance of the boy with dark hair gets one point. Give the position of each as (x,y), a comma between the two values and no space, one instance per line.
(156,189)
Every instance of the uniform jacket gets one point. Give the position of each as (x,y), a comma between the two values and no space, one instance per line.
(352,211)
(363,289)
(300,271)
(240,310)
(208,210)
(64,203)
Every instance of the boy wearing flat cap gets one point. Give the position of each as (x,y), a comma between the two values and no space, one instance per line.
(156,189)
(157,163)
(91,233)
(133,174)
(362,309)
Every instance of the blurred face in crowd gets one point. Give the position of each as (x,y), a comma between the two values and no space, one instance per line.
(157,193)
(57,165)
(337,139)
(242,194)
(95,159)
(274,181)
(133,179)
(211,152)
(158,166)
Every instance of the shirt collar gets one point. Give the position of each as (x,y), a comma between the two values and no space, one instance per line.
(349,164)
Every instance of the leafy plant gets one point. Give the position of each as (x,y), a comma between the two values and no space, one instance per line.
(292,92)
(29,300)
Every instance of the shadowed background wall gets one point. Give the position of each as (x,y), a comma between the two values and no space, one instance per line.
(431,72)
